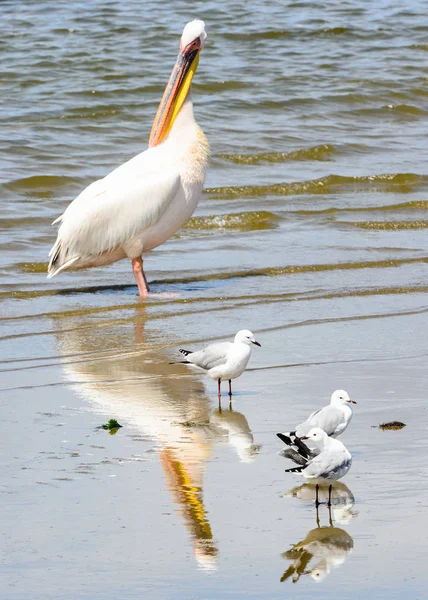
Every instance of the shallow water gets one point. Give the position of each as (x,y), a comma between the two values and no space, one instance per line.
(311,232)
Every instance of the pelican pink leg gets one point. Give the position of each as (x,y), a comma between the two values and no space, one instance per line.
(140,277)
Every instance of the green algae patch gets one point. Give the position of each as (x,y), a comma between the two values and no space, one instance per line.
(243,221)
(322,152)
(388,225)
(403,183)
(41,267)
(112,426)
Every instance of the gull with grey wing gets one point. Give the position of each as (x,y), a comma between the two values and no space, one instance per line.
(227,360)
(332,462)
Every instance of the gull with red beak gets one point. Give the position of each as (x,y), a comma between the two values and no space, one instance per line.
(142,203)
(333,419)
(227,360)
(332,461)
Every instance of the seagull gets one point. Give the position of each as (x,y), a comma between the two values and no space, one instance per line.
(143,202)
(331,463)
(227,360)
(333,419)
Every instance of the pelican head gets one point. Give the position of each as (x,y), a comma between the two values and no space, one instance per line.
(191,43)
(246,337)
(340,397)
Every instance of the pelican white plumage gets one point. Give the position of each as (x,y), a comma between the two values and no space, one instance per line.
(142,203)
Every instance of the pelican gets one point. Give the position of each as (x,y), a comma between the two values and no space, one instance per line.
(142,203)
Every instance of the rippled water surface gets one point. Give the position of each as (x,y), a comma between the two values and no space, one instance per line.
(311,232)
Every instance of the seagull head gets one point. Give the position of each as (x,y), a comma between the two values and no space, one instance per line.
(340,397)
(246,337)
(320,571)
(316,435)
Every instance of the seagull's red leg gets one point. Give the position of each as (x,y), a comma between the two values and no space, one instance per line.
(140,278)
(219,388)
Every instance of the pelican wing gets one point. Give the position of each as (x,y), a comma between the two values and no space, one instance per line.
(111,212)
(213,356)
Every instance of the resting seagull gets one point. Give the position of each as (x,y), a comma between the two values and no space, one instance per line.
(227,360)
(333,419)
(332,462)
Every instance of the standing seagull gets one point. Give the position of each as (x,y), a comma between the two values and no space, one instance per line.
(332,462)
(224,361)
(142,203)
(333,419)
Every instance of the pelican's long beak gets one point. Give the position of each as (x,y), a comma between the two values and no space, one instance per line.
(175,92)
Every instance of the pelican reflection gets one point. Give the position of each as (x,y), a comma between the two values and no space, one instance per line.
(126,374)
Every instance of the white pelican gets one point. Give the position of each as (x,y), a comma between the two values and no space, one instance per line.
(142,203)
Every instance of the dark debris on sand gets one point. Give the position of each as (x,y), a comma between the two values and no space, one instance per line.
(394,425)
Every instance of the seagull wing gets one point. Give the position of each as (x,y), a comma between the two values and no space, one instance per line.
(213,356)
(306,426)
(331,419)
(328,418)
(326,462)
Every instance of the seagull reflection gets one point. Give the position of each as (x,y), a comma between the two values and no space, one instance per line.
(342,499)
(239,433)
(134,382)
(329,546)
